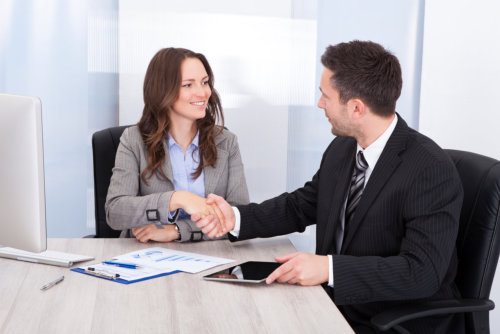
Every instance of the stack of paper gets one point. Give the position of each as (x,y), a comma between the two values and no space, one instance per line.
(152,262)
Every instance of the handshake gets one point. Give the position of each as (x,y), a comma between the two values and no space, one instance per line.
(213,215)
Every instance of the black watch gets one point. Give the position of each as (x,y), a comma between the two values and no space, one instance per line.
(178,231)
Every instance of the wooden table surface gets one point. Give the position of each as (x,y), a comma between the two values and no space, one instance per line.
(178,303)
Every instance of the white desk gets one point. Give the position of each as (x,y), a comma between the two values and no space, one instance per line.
(178,303)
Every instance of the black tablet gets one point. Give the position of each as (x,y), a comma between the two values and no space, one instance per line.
(247,272)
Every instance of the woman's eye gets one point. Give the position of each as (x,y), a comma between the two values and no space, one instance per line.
(186,85)
(204,83)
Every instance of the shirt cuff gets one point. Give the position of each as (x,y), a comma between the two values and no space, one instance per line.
(172,215)
(330,271)
(236,230)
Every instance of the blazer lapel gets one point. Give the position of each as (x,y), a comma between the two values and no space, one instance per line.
(212,174)
(389,160)
(337,199)
(167,165)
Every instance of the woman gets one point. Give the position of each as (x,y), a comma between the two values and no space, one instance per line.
(175,155)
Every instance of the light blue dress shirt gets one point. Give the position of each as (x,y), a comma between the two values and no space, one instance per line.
(182,168)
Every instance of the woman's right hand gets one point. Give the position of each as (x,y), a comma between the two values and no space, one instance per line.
(192,204)
(215,226)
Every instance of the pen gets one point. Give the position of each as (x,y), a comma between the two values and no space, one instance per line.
(91,271)
(121,264)
(52,283)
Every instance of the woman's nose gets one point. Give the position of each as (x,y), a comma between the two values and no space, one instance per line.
(202,91)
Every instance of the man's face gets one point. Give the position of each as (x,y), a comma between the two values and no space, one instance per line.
(335,111)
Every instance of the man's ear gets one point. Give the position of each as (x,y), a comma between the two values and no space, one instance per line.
(357,108)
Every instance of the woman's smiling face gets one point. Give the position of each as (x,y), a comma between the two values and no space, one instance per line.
(194,91)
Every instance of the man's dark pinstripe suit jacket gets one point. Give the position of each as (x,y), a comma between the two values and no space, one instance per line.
(400,245)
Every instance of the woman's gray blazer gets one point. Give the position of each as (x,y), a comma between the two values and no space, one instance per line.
(131,203)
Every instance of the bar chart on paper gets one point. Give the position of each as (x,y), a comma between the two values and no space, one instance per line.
(159,257)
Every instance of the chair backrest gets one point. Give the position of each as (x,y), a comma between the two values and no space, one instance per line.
(478,243)
(104,146)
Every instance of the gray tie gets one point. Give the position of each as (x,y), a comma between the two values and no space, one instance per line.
(356,189)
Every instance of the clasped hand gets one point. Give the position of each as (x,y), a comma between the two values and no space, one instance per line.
(221,221)
(297,268)
(192,204)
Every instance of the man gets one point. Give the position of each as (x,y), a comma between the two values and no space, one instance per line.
(386,201)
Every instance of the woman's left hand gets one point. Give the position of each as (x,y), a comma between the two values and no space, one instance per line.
(154,233)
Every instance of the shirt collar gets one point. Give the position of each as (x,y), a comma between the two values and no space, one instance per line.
(196,140)
(373,152)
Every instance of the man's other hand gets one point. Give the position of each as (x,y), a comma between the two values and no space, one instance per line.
(301,268)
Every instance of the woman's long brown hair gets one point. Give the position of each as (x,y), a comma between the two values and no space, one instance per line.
(161,89)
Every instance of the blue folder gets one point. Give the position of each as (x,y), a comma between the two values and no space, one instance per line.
(119,280)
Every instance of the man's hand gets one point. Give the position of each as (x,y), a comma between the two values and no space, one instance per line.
(192,203)
(154,233)
(301,268)
(209,224)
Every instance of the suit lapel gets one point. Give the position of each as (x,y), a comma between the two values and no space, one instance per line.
(389,160)
(212,174)
(167,165)
(337,199)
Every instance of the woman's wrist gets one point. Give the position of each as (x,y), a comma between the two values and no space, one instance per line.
(173,232)
(177,200)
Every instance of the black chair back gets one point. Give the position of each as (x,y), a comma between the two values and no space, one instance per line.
(478,242)
(104,146)
(478,248)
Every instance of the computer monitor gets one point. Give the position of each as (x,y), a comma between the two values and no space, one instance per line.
(22,186)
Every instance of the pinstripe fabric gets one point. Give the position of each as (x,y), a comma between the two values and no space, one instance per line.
(129,197)
(400,245)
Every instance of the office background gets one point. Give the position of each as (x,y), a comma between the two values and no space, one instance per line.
(86,61)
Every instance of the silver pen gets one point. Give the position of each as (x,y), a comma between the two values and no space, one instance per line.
(52,283)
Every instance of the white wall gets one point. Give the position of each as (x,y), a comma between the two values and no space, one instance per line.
(460,75)
(395,24)
(63,51)
(263,61)
(43,53)
(460,84)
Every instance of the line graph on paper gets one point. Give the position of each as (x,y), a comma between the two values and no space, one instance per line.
(160,257)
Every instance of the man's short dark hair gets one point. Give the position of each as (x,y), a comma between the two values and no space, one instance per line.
(365,70)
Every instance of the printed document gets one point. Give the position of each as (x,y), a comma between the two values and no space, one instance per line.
(156,261)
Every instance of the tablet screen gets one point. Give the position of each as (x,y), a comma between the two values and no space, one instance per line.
(249,272)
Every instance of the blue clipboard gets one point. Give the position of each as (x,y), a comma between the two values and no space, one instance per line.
(122,281)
